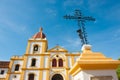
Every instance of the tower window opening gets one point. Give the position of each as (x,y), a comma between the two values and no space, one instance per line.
(35,48)
(2,72)
(33,63)
(17,67)
(54,63)
(31,77)
(60,63)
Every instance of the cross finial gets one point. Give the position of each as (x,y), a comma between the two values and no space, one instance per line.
(41,29)
(81,23)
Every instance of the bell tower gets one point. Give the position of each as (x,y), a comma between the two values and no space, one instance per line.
(37,44)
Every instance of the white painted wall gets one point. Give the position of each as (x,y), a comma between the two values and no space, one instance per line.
(30,60)
(75,58)
(52,54)
(79,76)
(27,72)
(86,74)
(69,62)
(70,77)
(20,62)
(44,75)
(32,45)
(5,72)
(45,61)
(13,78)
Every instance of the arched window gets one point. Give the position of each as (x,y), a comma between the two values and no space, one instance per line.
(35,48)
(57,77)
(31,76)
(33,62)
(17,67)
(54,62)
(60,63)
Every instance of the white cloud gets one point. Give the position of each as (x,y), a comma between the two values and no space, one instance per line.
(51,12)
(104,9)
(3,36)
(116,35)
(73,43)
(95,4)
(113,13)
(73,2)
(108,36)
(7,24)
(51,1)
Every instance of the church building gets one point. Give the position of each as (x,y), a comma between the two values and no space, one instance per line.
(39,63)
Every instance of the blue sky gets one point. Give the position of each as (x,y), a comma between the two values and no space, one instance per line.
(21,19)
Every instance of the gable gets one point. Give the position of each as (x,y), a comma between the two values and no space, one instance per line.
(57,49)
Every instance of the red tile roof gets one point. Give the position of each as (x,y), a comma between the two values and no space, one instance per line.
(39,35)
(4,64)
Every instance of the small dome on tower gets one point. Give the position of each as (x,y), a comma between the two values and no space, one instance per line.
(40,34)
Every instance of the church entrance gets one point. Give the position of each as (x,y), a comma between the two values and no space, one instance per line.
(57,77)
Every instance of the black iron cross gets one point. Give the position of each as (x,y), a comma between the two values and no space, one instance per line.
(81,23)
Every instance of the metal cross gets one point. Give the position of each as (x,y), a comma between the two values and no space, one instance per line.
(81,23)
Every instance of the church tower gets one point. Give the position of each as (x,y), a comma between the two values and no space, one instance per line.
(33,66)
(37,44)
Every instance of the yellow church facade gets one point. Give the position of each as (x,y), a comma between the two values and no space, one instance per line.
(39,63)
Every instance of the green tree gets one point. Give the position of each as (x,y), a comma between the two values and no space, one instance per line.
(118,58)
(118,71)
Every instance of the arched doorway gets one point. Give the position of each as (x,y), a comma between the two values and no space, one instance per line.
(57,77)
